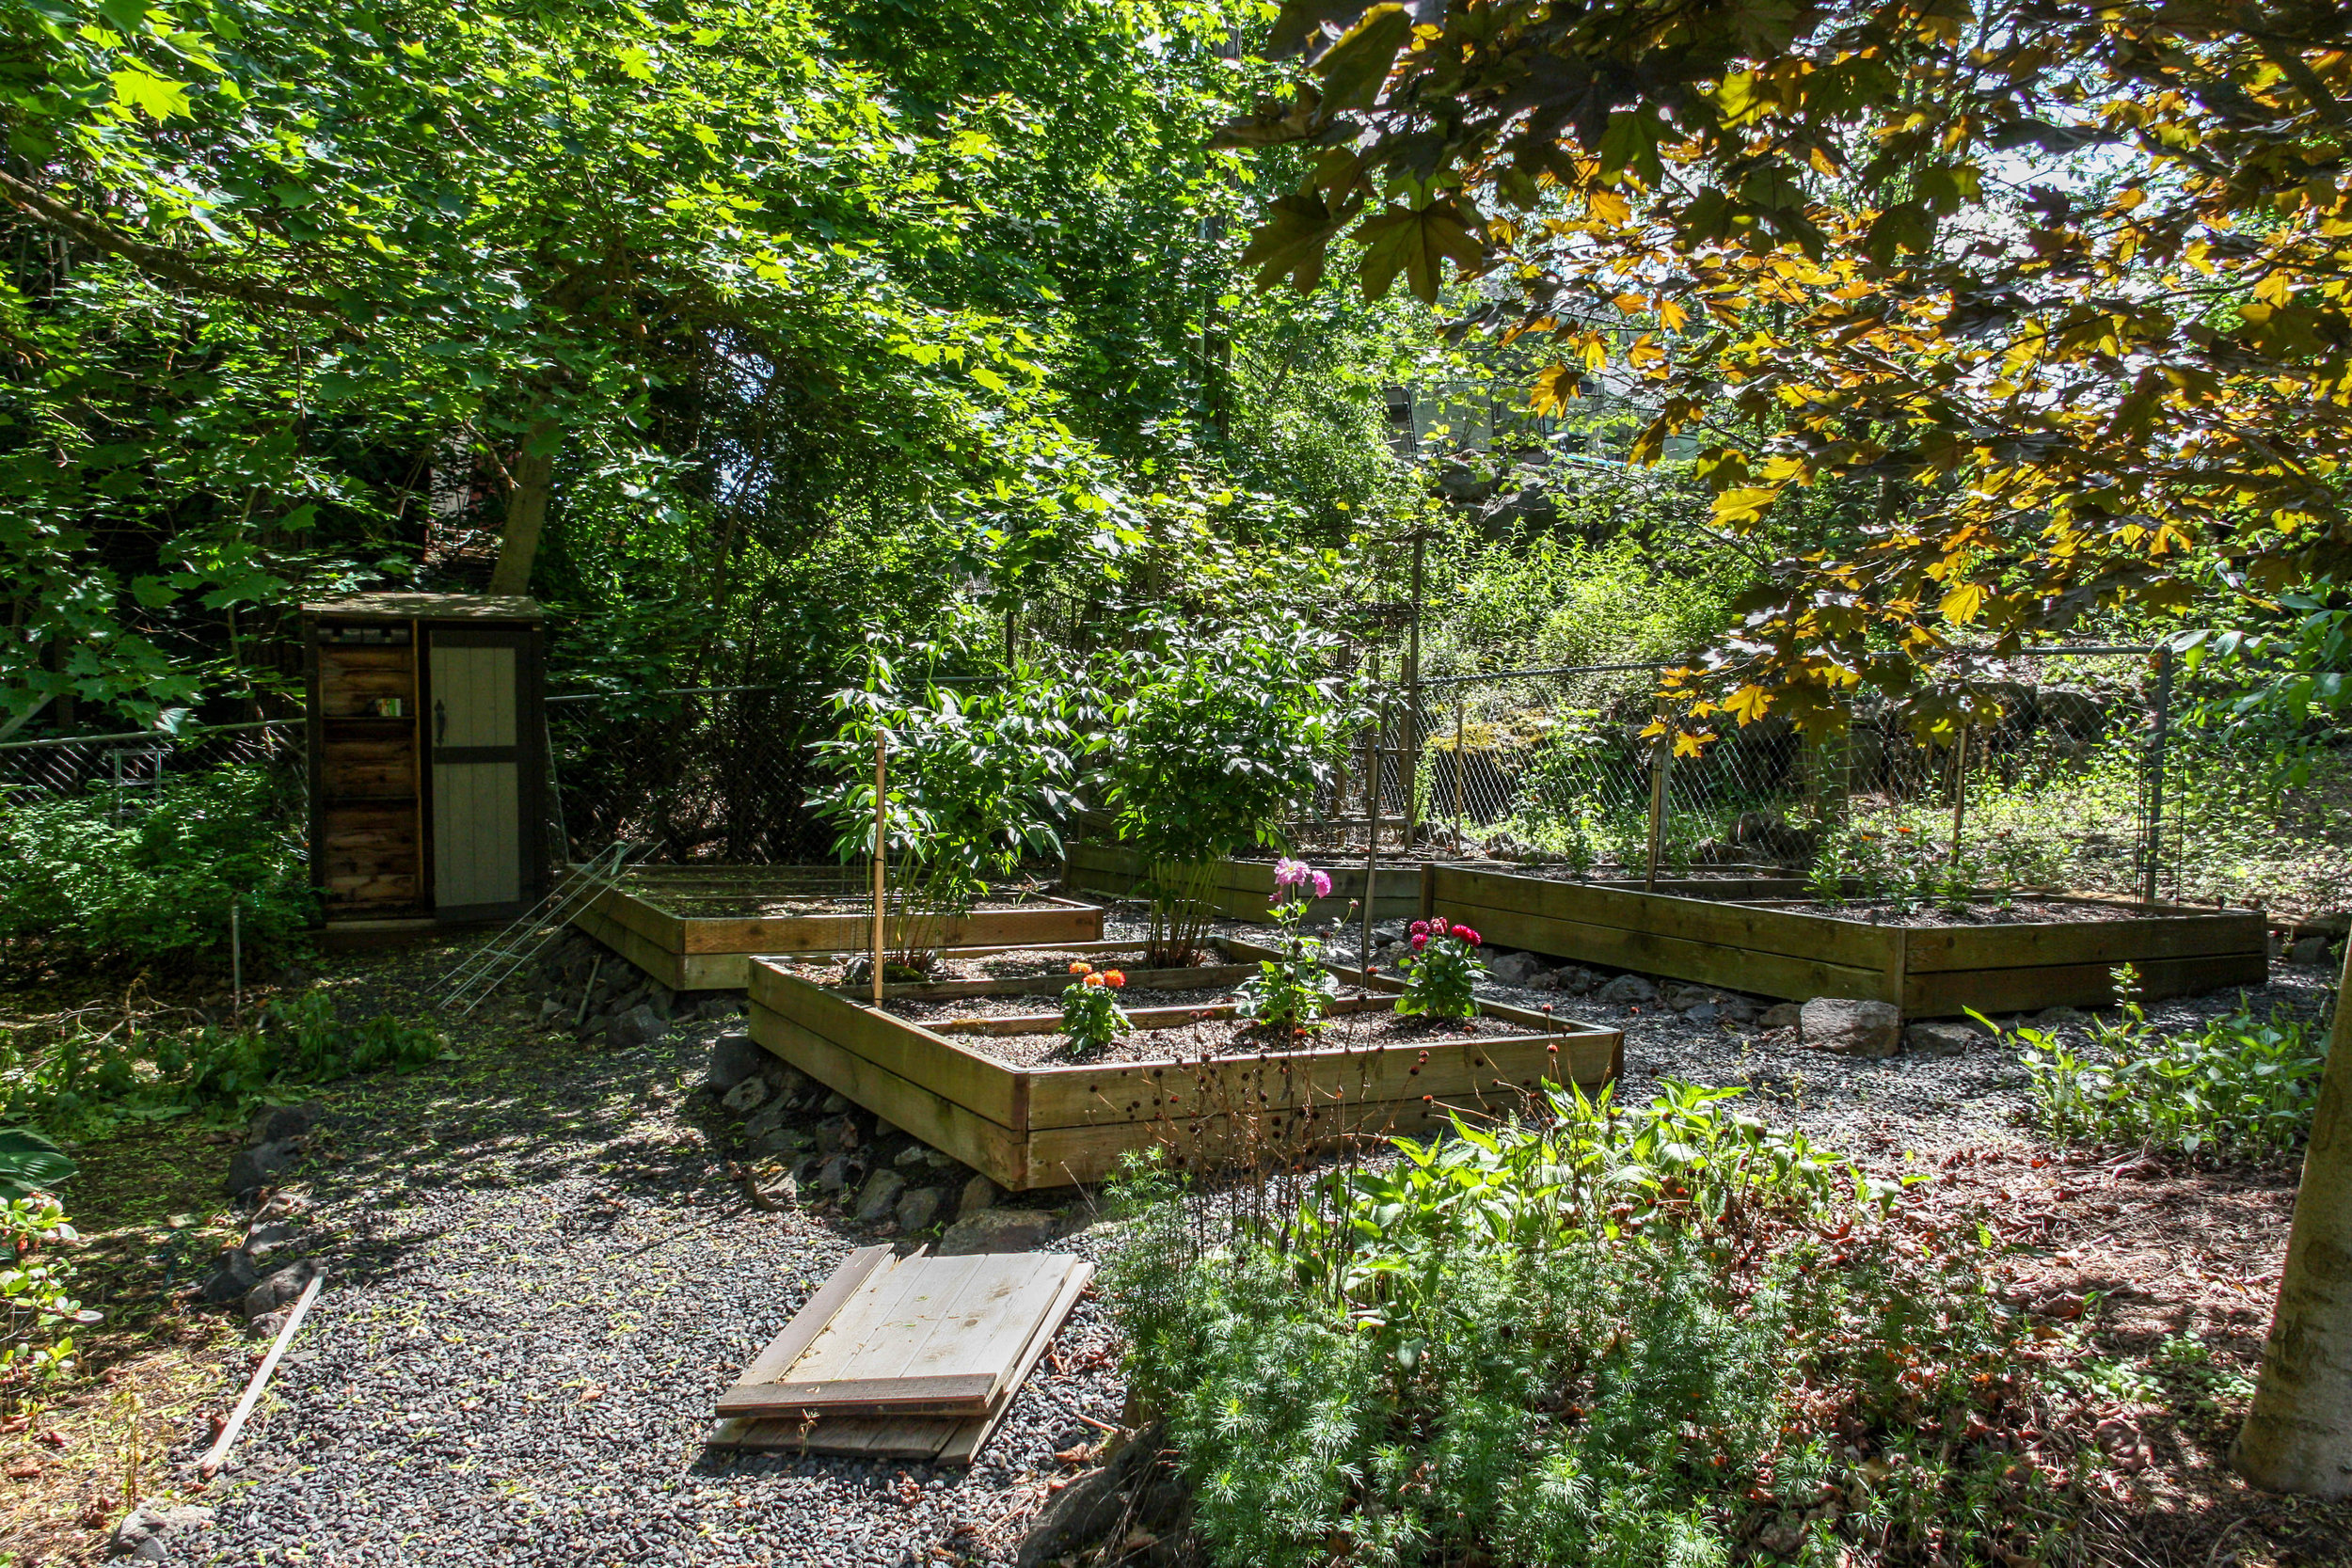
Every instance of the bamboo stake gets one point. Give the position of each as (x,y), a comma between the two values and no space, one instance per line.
(218,1454)
(1661,760)
(1960,787)
(882,827)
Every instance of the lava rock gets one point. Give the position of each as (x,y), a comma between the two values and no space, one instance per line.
(641,1024)
(1941,1037)
(279,1288)
(979,1194)
(1850,1028)
(733,1058)
(229,1282)
(1627,990)
(259,1167)
(878,1200)
(1514,968)
(745,1096)
(998,1230)
(918,1210)
(148,1532)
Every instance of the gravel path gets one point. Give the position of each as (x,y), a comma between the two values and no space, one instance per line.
(543,1272)
(540,1279)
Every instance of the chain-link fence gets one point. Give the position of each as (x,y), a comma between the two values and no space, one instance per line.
(132,771)
(2086,779)
(715,773)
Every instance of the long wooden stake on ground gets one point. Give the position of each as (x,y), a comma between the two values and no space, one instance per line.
(218,1454)
(882,827)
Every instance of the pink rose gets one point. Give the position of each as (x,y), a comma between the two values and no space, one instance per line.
(1289,873)
(1421,940)
(1323,885)
(1421,927)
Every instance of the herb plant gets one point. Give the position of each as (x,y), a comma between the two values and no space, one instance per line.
(1291,992)
(1443,969)
(1092,1017)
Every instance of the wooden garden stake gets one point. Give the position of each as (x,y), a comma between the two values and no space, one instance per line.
(1659,762)
(1960,787)
(2155,776)
(217,1454)
(881,829)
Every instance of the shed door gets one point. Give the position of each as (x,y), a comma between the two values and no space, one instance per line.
(477,772)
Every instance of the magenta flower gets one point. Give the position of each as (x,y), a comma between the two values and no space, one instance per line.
(1323,884)
(1463,933)
(1421,940)
(1421,927)
(1290,873)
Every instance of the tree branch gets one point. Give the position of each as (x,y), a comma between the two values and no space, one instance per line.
(172,265)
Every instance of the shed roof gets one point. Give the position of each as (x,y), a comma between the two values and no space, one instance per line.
(431,606)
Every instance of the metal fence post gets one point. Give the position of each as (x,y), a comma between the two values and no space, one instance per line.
(1460,766)
(1662,759)
(2152,843)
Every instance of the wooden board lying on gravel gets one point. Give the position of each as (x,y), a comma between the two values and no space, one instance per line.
(917,1359)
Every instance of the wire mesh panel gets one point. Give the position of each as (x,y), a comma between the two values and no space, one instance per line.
(132,771)
(717,774)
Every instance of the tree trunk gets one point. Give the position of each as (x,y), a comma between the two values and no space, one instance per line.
(527,508)
(2298,1435)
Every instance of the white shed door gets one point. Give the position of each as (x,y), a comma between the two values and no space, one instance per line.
(477,777)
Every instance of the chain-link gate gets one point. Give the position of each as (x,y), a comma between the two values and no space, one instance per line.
(133,770)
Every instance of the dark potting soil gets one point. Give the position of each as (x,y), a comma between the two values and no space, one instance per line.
(2025,911)
(1016,964)
(1229,1037)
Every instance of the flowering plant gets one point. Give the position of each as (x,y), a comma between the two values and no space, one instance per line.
(1441,972)
(1092,1017)
(1291,992)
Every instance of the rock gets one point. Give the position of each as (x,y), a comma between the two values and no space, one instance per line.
(838,1131)
(1868,1029)
(878,1200)
(979,1194)
(719,1006)
(1627,990)
(2050,1018)
(1089,1508)
(834,1104)
(1389,930)
(834,1174)
(734,1057)
(1576,980)
(279,1288)
(267,1324)
(1683,998)
(918,1210)
(909,1157)
(1781,1015)
(640,1026)
(767,1122)
(148,1532)
(2334,925)
(998,1230)
(785,1140)
(885,1128)
(552,1010)
(258,1167)
(746,1097)
(1544,980)
(1513,969)
(2311,951)
(782,1077)
(231,1279)
(1706,1015)
(263,1240)
(1940,1037)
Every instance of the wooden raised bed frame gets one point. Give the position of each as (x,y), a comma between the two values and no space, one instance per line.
(714,952)
(1928,970)
(1051,1126)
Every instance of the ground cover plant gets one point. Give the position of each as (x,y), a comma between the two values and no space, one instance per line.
(109,878)
(2241,1087)
(1625,1336)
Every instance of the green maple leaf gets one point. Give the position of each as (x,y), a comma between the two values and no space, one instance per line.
(1414,241)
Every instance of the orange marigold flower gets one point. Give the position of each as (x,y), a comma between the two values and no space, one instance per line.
(1113,978)
(1093,978)
(1081,967)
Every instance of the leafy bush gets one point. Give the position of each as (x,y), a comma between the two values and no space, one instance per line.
(2239,1088)
(1219,734)
(36,1308)
(88,1081)
(30,1163)
(976,782)
(154,886)
(1092,1017)
(1664,1337)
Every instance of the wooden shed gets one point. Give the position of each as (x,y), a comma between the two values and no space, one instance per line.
(428,762)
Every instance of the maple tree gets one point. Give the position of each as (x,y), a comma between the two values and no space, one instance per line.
(2057,294)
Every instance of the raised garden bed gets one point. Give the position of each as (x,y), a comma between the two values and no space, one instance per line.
(1052,1124)
(696,927)
(1800,952)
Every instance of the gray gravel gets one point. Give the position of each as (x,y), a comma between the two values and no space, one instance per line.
(542,1274)
(540,1280)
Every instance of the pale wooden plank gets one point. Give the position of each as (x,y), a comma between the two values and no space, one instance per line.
(991,1319)
(964,1445)
(889,1303)
(819,1310)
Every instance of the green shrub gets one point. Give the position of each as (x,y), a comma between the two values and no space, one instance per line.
(2239,1088)
(154,884)
(89,1082)
(37,1309)
(1660,1336)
